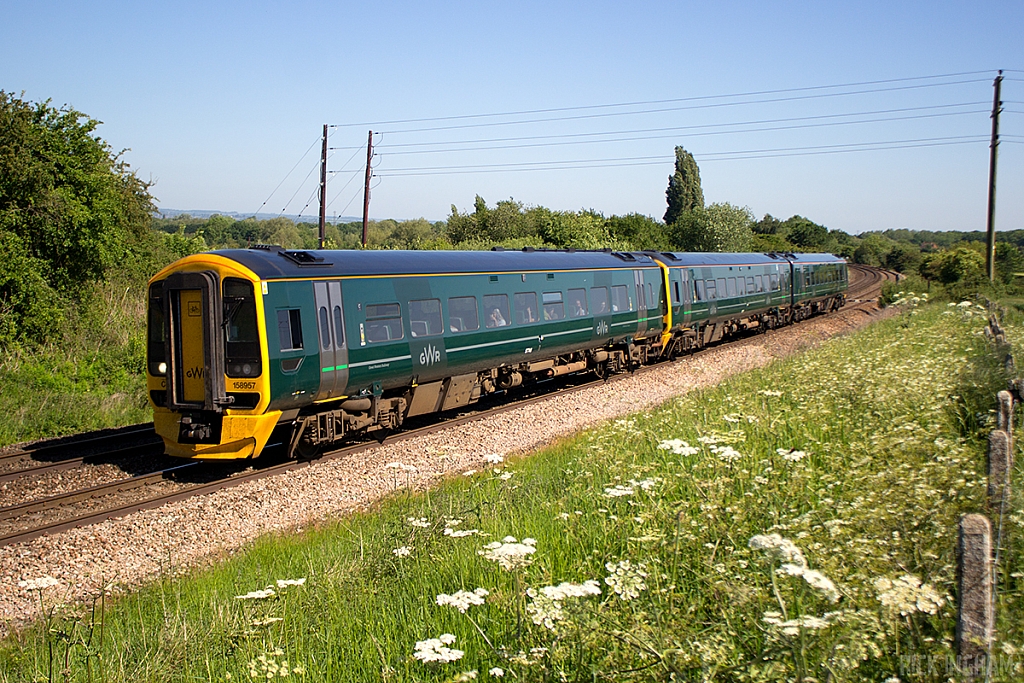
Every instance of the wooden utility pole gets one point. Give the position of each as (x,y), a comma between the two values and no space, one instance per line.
(990,254)
(366,184)
(323,189)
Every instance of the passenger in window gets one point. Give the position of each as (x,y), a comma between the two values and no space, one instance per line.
(602,307)
(530,317)
(496,319)
(577,309)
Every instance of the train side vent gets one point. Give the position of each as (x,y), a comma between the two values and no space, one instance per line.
(304,258)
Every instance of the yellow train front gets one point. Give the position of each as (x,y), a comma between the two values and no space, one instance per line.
(206,358)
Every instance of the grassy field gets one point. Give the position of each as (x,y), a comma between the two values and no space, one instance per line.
(795,523)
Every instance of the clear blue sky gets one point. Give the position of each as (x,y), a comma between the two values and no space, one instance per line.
(218,101)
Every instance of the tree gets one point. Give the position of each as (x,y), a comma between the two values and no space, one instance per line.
(684,192)
(70,209)
(72,201)
(805,233)
(639,231)
(720,227)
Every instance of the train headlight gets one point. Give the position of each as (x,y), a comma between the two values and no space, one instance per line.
(247,370)
(162,368)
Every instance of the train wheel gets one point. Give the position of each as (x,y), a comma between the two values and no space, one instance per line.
(303,449)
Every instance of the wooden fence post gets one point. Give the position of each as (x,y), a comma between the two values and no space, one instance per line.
(975,615)
(1005,421)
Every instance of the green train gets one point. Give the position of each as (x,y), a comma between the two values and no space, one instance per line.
(323,344)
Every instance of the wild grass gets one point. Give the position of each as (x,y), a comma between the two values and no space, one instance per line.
(795,523)
(89,375)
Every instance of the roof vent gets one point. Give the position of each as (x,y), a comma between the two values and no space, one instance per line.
(265,247)
(304,258)
(499,248)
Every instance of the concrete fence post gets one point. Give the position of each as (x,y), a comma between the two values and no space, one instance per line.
(999,469)
(975,611)
(1005,421)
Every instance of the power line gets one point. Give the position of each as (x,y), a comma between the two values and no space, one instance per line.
(287,175)
(663,159)
(691,134)
(664,129)
(666,101)
(716,105)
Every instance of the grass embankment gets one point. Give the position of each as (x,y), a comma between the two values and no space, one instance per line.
(89,375)
(797,522)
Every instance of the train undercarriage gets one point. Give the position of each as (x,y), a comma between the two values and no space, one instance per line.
(381,413)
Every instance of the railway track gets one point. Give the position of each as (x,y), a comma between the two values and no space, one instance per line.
(89,505)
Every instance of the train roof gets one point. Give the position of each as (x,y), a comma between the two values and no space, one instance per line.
(697,259)
(274,263)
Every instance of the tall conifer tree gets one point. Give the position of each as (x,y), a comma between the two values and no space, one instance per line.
(684,192)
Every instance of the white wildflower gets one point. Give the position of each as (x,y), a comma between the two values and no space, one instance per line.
(284,583)
(908,595)
(460,533)
(257,595)
(466,676)
(403,551)
(731,417)
(497,672)
(791,454)
(509,553)
(469,473)
(437,650)
(422,522)
(505,476)
(778,549)
(625,579)
(618,491)
(39,584)
(494,458)
(726,453)
(769,392)
(708,440)
(463,600)
(678,446)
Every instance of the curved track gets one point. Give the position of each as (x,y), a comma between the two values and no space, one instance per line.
(88,505)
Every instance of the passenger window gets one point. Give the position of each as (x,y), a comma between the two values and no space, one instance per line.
(496,310)
(750,285)
(721,288)
(325,328)
(578,303)
(739,286)
(339,328)
(384,323)
(650,296)
(699,294)
(760,284)
(712,291)
(675,292)
(526,308)
(620,299)
(462,314)
(731,287)
(554,309)
(289,329)
(425,317)
(599,299)
(775,282)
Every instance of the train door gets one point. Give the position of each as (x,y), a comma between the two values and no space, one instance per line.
(641,315)
(687,302)
(330,322)
(195,364)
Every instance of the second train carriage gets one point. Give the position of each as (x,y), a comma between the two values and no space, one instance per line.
(323,343)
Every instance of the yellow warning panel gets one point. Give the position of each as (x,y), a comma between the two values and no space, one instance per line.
(193,360)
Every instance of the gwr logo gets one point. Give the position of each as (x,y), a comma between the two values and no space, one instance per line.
(430,355)
(602,328)
(195,373)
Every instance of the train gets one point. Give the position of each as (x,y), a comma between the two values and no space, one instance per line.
(320,345)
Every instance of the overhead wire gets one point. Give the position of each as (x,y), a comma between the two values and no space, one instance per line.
(662,159)
(762,129)
(664,101)
(318,139)
(664,129)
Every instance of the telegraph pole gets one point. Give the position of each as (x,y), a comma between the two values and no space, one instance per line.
(990,254)
(366,184)
(323,189)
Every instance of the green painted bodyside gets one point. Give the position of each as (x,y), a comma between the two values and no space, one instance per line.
(379,366)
